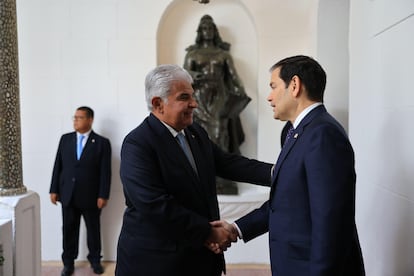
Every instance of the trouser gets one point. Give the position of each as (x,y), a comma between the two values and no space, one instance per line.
(71,223)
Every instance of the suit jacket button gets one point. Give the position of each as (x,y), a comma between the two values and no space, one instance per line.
(73,179)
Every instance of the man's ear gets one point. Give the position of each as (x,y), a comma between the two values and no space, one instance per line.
(157,104)
(296,84)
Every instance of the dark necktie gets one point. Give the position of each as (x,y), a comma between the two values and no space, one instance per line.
(80,146)
(186,148)
(289,134)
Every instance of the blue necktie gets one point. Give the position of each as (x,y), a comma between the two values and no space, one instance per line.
(80,146)
(186,148)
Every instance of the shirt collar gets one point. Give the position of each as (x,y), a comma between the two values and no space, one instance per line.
(174,133)
(86,134)
(304,113)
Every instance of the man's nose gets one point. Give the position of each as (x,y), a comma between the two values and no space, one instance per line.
(269,98)
(194,103)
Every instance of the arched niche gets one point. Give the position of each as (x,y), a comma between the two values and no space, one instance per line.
(177,30)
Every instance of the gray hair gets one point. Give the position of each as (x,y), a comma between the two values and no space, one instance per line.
(159,80)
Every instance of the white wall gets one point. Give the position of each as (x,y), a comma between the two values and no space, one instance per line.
(381,114)
(97,53)
(332,53)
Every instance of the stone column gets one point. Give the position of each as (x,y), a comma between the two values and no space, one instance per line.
(11,182)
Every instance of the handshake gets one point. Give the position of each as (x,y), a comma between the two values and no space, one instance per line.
(221,236)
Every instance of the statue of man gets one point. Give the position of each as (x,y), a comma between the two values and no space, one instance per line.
(219,92)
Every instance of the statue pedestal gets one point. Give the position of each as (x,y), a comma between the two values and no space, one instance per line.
(250,197)
(6,247)
(226,187)
(24,213)
(233,207)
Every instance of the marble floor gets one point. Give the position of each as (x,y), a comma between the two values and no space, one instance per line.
(83,269)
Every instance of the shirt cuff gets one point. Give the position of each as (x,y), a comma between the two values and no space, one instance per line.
(238,230)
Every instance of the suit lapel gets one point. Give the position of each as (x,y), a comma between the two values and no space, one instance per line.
(195,149)
(74,145)
(283,153)
(91,140)
(87,147)
(201,180)
(174,152)
(295,136)
(172,148)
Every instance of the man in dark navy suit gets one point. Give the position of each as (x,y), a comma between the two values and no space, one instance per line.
(81,182)
(310,214)
(170,185)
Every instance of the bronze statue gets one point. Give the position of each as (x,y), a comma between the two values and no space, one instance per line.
(219,92)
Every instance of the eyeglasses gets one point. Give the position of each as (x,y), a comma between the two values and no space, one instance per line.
(76,118)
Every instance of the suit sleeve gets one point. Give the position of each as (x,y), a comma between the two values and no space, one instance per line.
(234,166)
(254,223)
(242,169)
(105,174)
(330,175)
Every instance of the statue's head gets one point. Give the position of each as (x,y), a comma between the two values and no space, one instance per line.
(206,19)
(207,29)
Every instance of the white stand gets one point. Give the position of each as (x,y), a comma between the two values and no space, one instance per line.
(24,212)
(6,247)
(250,197)
(233,207)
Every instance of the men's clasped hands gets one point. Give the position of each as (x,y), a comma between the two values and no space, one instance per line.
(221,236)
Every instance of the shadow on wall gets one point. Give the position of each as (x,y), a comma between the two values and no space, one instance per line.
(112,214)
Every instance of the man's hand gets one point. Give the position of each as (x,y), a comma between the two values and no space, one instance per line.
(221,237)
(102,202)
(54,198)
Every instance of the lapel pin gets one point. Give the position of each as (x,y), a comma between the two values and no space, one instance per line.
(295,136)
(93,140)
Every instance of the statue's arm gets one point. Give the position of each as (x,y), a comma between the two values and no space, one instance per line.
(233,77)
(190,66)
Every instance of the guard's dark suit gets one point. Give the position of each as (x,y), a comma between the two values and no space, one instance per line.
(79,184)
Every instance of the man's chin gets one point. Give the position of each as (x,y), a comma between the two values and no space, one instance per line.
(187,123)
(189,119)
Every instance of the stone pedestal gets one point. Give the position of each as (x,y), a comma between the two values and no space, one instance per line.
(233,207)
(24,212)
(6,247)
(250,197)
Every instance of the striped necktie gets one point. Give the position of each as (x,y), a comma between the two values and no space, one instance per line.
(186,148)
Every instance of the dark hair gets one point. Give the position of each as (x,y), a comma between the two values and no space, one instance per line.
(309,71)
(88,110)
